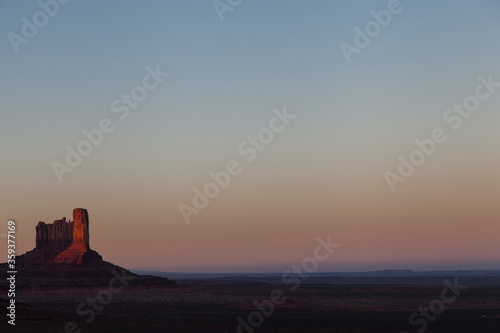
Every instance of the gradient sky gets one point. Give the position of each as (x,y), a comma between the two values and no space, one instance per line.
(323,175)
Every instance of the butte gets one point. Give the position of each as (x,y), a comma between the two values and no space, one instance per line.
(62,261)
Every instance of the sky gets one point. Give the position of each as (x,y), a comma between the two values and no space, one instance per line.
(231,70)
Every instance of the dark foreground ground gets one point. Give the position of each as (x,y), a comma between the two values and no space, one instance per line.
(193,307)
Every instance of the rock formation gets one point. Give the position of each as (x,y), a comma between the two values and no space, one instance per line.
(63,260)
(79,250)
(81,229)
(60,233)
(64,242)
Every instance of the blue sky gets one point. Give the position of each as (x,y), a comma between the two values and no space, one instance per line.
(353,120)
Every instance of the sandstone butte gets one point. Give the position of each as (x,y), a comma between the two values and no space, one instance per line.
(63,242)
(62,259)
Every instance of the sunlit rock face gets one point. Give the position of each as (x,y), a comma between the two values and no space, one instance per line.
(79,250)
(81,229)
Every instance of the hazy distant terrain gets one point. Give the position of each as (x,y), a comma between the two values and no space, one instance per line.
(394,277)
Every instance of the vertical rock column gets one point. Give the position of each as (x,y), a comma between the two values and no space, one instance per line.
(81,229)
(41,234)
